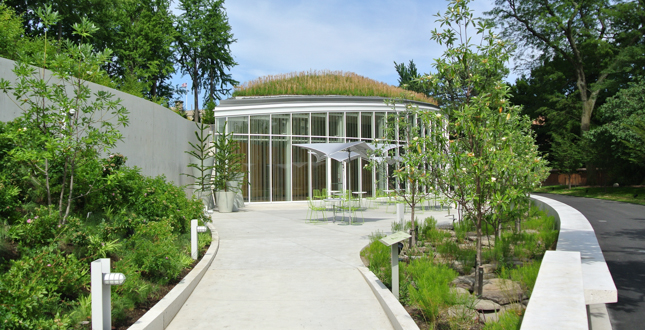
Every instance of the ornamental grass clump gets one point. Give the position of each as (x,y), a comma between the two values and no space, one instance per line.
(430,290)
(325,83)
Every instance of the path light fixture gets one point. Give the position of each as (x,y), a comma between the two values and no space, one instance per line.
(392,241)
(102,281)
(194,229)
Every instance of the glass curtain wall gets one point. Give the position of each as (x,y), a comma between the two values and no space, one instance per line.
(278,171)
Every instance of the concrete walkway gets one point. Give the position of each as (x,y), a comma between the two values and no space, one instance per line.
(275,271)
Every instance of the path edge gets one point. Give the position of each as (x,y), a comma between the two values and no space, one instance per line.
(398,316)
(162,313)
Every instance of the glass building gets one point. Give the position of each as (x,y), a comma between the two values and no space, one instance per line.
(267,128)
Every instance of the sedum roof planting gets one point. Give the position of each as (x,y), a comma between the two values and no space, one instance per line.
(325,83)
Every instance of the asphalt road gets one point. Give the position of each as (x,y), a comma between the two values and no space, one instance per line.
(620,229)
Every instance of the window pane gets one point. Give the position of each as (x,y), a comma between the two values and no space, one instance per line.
(259,179)
(280,168)
(366,180)
(259,124)
(335,124)
(319,124)
(352,124)
(220,124)
(300,124)
(243,141)
(366,125)
(279,124)
(318,170)
(300,170)
(238,125)
(380,125)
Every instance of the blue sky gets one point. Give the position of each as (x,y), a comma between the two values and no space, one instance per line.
(364,37)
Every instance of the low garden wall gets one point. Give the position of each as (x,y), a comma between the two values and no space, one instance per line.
(597,286)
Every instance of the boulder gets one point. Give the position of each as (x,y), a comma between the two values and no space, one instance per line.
(465,282)
(459,291)
(484,305)
(502,291)
(462,312)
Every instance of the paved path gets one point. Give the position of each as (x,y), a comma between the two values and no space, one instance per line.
(274,271)
(620,229)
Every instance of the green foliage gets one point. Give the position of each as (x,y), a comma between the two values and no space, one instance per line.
(155,253)
(569,153)
(379,259)
(203,153)
(509,320)
(202,48)
(619,146)
(36,229)
(409,78)
(39,287)
(431,288)
(325,83)
(62,122)
(228,160)
(11,30)
(576,33)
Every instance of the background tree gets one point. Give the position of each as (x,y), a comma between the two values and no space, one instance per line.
(203,48)
(409,77)
(568,153)
(616,140)
(598,39)
(143,49)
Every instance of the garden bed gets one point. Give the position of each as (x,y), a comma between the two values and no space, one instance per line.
(437,276)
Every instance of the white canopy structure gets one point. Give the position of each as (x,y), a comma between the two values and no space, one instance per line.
(345,152)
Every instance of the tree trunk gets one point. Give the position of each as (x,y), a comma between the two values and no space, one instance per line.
(196,92)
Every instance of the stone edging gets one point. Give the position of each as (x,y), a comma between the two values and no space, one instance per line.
(162,313)
(398,316)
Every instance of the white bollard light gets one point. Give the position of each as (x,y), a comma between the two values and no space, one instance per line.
(194,229)
(400,211)
(102,280)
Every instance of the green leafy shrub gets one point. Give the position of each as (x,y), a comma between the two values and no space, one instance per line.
(379,257)
(39,287)
(155,252)
(36,229)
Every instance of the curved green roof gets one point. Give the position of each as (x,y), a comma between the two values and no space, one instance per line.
(325,83)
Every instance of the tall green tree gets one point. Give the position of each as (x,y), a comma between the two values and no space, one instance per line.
(597,38)
(143,46)
(203,48)
(484,158)
(618,139)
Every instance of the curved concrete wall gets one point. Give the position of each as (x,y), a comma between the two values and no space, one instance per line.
(573,278)
(155,139)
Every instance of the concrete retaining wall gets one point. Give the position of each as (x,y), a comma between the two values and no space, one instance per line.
(154,141)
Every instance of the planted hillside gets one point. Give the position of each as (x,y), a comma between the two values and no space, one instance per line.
(325,83)
(63,204)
